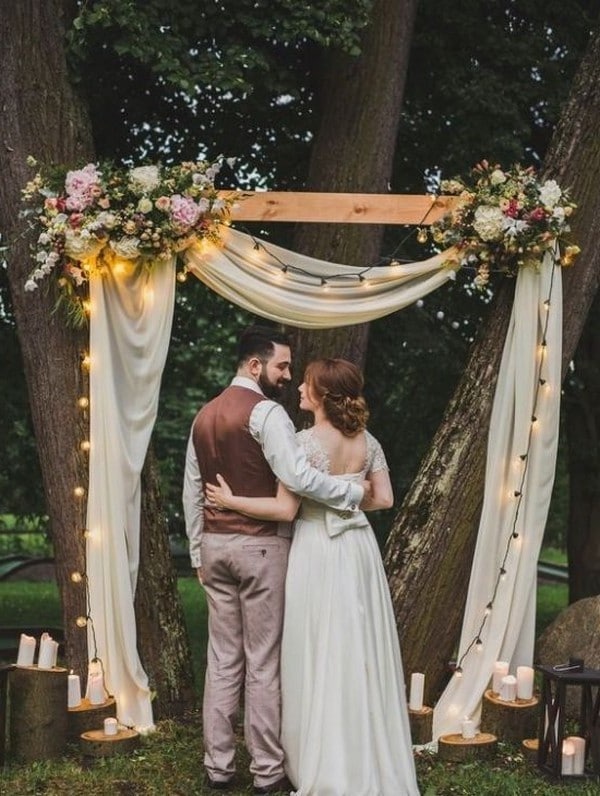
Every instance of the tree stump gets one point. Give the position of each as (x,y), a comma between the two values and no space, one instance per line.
(529,748)
(456,749)
(95,743)
(89,717)
(37,727)
(421,725)
(509,721)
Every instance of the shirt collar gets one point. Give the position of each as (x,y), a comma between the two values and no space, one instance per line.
(244,381)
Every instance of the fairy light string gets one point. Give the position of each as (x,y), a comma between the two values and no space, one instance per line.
(516,493)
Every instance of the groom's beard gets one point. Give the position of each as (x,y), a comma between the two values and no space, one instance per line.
(274,391)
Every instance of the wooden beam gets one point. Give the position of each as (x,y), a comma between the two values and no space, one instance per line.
(341,208)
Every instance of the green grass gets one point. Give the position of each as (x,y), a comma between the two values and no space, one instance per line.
(169,762)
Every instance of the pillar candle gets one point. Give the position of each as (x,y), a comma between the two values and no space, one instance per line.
(47,652)
(500,671)
(417,686)
(468,728)
(568,758)
(111,726)
(508,688)
(524,682)
(26,652)
(74,691)
(96,689)
(578,745)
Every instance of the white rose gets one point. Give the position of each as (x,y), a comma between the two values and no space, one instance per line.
(30,285)
(497,177)
(488,222)
(145,205)
(44,238)
(126,247)
(144,179)
(81,245)
(107,220)
(550,193)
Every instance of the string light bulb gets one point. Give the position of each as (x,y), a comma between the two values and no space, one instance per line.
(422,235)
(85,445)
(86,361)
(182,276)
(83,402)
(76,577)
(79,491)
(488,609)
(81,621)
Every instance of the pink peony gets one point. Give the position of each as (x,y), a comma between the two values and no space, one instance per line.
(184,211)
(81,187)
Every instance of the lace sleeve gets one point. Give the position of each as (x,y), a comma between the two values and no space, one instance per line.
(315,454)
(375,455)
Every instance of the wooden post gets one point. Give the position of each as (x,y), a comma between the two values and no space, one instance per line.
(421,725)
(38,713)
(89,717)
(509,721)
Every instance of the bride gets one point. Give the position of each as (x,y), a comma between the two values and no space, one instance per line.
(345,728)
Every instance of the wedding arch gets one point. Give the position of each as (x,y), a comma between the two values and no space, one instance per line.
(130,321)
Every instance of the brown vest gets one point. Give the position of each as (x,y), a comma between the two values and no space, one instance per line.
(224,445)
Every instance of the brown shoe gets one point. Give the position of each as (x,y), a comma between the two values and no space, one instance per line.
(282,785)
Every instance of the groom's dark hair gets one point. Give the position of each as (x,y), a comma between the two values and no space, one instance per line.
(259,341)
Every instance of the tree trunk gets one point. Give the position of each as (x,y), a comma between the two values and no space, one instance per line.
(360,102)
(42,116)
(429,549)
(162,637)
(582,413)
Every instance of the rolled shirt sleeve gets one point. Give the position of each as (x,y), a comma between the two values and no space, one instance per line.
(272,428)
(193,503)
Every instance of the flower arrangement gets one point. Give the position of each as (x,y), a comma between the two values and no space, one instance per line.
(504,220)
(87,218)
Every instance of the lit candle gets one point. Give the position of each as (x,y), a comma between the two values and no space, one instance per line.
(568,758)
(417,687)
(48,652)
(26,650)
(468,728)
(524,682)
(74,692)
(508,688)
(96,686)
(111,726)
(578,745)
(500,671)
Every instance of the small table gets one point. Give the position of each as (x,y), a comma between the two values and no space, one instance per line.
(553,713)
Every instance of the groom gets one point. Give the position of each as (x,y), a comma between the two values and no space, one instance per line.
(249,439)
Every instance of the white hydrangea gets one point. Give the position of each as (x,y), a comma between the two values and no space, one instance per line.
(80,244)
(550,193)
(144,179)
(497,177)
(489,222)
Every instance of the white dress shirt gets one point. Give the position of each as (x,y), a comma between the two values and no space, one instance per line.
(271,426)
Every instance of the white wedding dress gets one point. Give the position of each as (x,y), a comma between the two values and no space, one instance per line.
(345,728)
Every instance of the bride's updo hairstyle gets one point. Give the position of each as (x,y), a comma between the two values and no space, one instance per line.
(339,383)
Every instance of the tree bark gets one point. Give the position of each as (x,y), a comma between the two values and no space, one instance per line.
(582,404)
(429,549)
(43,116)
(360,102)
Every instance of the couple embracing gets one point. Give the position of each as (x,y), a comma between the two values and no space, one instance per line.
(311,640)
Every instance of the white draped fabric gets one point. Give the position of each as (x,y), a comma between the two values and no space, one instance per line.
(130,329)
(508,633)
(253,279)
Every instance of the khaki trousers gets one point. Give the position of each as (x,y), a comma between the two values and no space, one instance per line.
(244,580)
